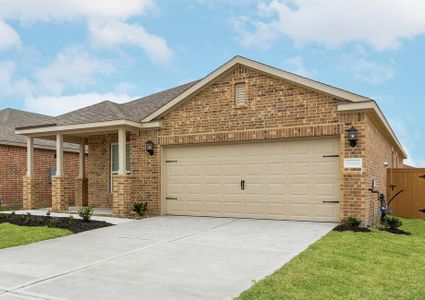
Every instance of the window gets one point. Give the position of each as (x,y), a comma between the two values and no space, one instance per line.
(114,158)
(115,164)
(240,94)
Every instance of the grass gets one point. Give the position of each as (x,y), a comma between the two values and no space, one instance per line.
(348,265)
(13,235)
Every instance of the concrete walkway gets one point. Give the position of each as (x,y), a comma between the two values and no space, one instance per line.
(159,258)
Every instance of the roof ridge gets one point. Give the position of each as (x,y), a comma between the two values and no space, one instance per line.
(162,91)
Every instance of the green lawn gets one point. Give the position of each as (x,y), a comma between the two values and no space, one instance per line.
(347,265)
(13,235)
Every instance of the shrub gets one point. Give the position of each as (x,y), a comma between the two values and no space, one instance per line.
(85,212)
(392,222)
(140,207)
(54,222)
(353,222)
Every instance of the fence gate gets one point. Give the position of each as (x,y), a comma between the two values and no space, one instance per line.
(411,202)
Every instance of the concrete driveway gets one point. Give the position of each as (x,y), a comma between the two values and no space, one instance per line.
(165,257)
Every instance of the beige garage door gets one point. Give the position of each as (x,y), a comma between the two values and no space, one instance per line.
(294,180)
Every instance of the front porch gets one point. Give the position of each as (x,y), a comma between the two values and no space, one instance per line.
(110,179)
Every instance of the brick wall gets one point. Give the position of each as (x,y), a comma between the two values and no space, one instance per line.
(99,170)
(13,161)
(275,109)
(378,151)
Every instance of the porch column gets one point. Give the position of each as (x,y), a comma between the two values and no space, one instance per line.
(122,151)
(81,188)
(59,182)
(122,183)
(30,197)
(30,156)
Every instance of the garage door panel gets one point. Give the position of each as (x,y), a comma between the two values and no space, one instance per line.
(283,180)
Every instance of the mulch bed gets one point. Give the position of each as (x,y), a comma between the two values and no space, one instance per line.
(395,231)
(74,225)
(345,227)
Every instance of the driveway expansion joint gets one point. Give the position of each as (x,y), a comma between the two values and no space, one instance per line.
(100,262)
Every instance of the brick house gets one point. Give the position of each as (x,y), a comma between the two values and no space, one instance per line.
(13,159)
(248,140)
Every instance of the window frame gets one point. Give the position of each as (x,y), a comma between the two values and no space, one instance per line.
(111,171)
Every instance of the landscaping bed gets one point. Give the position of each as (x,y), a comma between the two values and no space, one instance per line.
(69,223)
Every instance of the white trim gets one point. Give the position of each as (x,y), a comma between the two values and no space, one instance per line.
(30,156)
(89,127)
(309,83)
(373,106)
(59,155)
(82,160)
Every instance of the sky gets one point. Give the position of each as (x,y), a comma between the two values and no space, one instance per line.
(60,55)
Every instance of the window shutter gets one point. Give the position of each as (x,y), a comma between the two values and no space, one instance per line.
(114,158)
(128,158)
(240,94)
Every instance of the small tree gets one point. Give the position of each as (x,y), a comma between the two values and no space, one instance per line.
(140,207)
(86,213)
(353,222)
(393,223)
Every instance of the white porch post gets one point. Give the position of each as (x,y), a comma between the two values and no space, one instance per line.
(59,155)
(30,156)
(121,151)
(81,173)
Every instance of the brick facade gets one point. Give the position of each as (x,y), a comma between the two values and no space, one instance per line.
(60,193)
(275,109)
(13,161)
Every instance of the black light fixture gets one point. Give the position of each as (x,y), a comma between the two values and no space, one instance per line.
(149,147)
(352,136)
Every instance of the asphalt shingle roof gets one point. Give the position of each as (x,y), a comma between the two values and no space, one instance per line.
(135,110)
(12,118)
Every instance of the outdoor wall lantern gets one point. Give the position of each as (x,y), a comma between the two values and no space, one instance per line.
(352,136)
(149,147)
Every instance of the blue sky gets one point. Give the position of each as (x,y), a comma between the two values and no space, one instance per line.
(58,55)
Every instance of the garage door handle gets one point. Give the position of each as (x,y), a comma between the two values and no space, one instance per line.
(330,201)
(242,184)
(170,198)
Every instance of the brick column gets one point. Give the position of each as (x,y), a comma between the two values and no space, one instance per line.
(122,198)
(59,194)
(30,196)
(81,192)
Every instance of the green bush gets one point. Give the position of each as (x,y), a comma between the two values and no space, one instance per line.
(140,207)
(392,222)
(353,222)
(85,212)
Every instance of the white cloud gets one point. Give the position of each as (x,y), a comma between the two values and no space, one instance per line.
(56,105)
(8,37)
(66,10)
(103,18)
(115,33)
(73,68)
(381,24)
(368,71)
(296,65)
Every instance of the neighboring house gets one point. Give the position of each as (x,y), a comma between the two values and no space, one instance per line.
(247,140)
(13,159)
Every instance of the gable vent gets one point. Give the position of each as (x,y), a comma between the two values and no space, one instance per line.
(240,94)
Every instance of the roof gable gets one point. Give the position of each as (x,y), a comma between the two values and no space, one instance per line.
(272,71)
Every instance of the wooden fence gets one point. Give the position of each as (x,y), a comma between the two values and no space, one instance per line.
(411,201)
